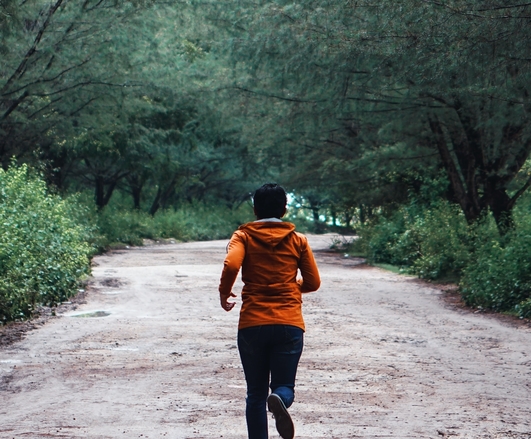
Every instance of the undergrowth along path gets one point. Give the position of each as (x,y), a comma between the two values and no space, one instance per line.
(151,354)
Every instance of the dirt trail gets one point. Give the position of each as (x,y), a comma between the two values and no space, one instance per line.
(385,357)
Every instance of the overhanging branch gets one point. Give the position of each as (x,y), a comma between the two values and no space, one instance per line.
(519,193)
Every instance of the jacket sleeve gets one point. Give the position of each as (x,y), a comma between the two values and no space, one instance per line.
(311,281)
(233,262)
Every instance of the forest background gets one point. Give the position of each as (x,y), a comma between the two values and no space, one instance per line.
(405,122)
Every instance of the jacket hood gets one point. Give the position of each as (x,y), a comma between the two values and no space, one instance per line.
(270,233)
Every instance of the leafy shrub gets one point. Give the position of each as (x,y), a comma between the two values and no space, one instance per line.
(431,243)
(195,221)
(500,276)
(43,252)
(123,226)
(523,309)
(200,222)
(435,242)
(378,239)
(443,239)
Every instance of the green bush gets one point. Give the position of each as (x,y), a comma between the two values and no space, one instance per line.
(191,222)
(436,242)
(523,309)
(46,242)
(379,238)
(431,243)
(123,226)
(43,251)
(201,222)
(444,243)
(500,276)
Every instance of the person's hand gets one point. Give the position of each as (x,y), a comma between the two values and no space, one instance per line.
(225,304)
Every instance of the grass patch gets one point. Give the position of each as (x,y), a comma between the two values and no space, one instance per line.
(389,267)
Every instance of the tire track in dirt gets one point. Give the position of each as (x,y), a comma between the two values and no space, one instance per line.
(385,357)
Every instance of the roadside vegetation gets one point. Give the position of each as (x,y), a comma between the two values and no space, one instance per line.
(44,250)
(435,242)
(46,242)
(197,221)
(406,122)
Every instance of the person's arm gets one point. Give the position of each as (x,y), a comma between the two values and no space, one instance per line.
(231,267)
(311,281)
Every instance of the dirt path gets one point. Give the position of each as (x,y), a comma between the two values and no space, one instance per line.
(385,357)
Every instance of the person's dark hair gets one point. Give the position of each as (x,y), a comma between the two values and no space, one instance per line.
(270,201)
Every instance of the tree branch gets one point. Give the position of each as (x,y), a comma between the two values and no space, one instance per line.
(282,98)
(33,49)
(43,80)
(452,171)
(495,8)
(517,195)
(14,105)
(83,84)
(49,104)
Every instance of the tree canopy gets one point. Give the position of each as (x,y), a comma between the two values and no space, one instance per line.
(113,95)
(368,94)
(352,105)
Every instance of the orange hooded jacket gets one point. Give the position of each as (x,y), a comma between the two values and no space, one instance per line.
(270,254)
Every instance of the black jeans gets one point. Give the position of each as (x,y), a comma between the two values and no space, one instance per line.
(265,350)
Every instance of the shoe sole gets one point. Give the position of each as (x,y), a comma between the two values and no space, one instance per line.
(283,421)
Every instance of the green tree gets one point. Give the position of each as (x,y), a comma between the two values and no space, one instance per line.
(361,75)
(69,67)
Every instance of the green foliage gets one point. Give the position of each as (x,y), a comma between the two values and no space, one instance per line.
(356,94)
(43,250)
(431,242)
(444,239)
(201,222)
(46,242)
(380,238)
(68,68)
(500,276)
(355,107)
(435,242)
(123,226)
(194,221)
(299,217)
(523,309)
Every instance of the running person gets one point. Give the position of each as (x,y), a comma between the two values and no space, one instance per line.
(271,327)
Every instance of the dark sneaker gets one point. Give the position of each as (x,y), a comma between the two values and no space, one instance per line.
(282,418)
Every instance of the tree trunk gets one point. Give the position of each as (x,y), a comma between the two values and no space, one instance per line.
(136,192)
(163,195)
(315,214)
(471,172)
(156,202)
(362,214)
(348,218)
(136,184)
(103,197)
(500,205)
(470,206)
(110,191)
(100,192)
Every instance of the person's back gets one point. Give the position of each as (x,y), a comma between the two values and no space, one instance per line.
(274,252)
(270,330)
